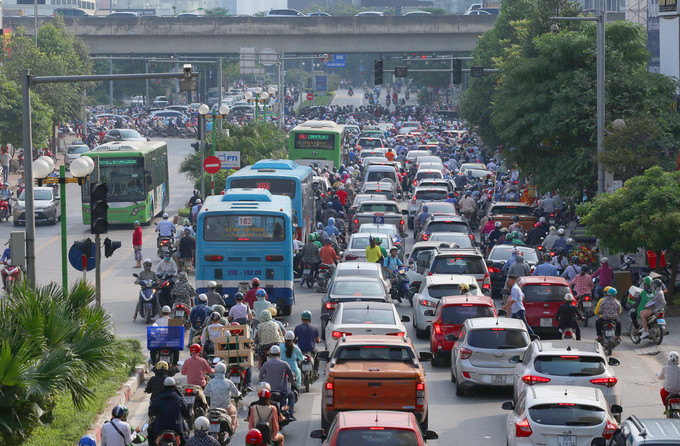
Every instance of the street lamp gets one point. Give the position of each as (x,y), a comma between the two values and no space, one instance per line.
(224,111)
(257,91)
(272,93)
(202,111)
(264,96)
(81,167)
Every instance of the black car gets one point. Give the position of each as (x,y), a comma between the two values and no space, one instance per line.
(497,258)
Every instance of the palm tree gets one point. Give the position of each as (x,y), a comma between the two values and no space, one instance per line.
(50,342)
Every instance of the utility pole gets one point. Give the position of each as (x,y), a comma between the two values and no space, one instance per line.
(281,93)
(219,94)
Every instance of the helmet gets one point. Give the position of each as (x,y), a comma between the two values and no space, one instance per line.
(378,240)
(546,257)
(306,315)
(261,292)
(162,365)
(658,283)
(87,440)
(673,357)
(212,284)
(552,229)
(515,219)
(202,297)
(289,336)
(166,309)
(254,436)
(560,231)
(319,225)
(165,215)
(569,297)
(498,225)
(604,260)
(198,201)
(238,296)
(256,281)
(272,310)
(147,261)
(201,424)
(464,287)
(195,348)
(574,259)
(236,332)
(647,281)
(605,289)
(215,316)
(119,412)
(542,220)
(274,350)
(169,382)
(264,393)
(612,291)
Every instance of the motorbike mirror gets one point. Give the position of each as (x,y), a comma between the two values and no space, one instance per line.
(323,356)
(135,275)
(145,427)
(614,362)
(405,319)
(616,409)
(216,361)
(180,363)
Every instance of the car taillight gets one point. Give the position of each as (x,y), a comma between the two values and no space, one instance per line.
(356,221)
(413,200)
(401,222)
(607,382)
(487,281)
(213,258)
(420,395)
(532,379)
(415,182)
(437,328)
(338,334)
(331,305)
(609,430)
(465,353)
(351,257)
(493,269)
(522,428)
(426,303)
(401,334)
(329,394)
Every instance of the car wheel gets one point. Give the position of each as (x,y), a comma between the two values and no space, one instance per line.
(410,223)
(460,390)
(421,334)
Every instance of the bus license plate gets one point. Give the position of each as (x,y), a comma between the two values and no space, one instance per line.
(215,427)
(566,440)
(546,322)
(587,304)
(189,399)
(609,333)
(235,379)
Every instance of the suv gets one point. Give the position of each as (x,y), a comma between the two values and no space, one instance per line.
(543,296)
(449,316)
(497,258)
(456,261)
(370,142)
(445,223)
(433,208)
(573,363)
(647,431)
(421,195)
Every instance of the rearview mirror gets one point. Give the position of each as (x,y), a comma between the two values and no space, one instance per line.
(502,313)
(145,427)
(323,356)
(405,319)
(135,275)
(614,362)
(318,434)
(616,409)
(514,359)
(429,313)
(425,356)
(508,405)
(431,435)
(180,363)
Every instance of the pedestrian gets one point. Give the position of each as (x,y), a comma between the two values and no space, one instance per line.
(137,244)
(5,160)
(516,302)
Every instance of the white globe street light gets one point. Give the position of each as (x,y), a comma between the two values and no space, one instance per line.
(203,109)
(80,168)
(89,161)
(264,96)
(224,110)
(272,91)
(49,162)
(41,169)
(249,95)
(258,90)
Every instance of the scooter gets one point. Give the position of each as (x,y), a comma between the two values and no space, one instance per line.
(164,287)
(183,312)
(673,405)
(237,375)
(401,287)
(585,307)
(309,273)
(11,274)
(148,298)
(569,334)
(4,209)
(164,244)
(189,393)
(323,276)
(656,325)
(220,425)
(309,375)
(169,438)
(609,339)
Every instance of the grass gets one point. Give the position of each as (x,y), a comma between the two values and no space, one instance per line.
(70,423)
(184,212)
(318,100)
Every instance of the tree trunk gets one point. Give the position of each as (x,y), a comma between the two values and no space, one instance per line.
(675,260)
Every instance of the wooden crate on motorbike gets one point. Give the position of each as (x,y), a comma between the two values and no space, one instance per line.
(236,348)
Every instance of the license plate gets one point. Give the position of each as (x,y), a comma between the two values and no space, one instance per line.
(566,440)
(661,321)
(306,367)
(609,333)
(243,288)
(305,271)
(189,399)
(179,314)
(215,428)
(546,322)
(587,304)
(675,405)
(235,379)
(498,379)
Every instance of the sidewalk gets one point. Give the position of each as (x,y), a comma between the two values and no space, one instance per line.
(671,342)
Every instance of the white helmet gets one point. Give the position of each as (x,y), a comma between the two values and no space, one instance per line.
(289,336)
(220,367)
(166,309)
(169,382)
(560,231)
(198,201)
(165,215)
(201,424)
(673,358)
(147,261)
(212,284)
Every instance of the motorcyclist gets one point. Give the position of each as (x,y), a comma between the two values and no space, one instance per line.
(330,229)
(155,384)
(268,335)
(167,265)
(182,292)
(292,354)
(468,207)
(278,374)
(212,331)
(546,268)
(214,298)
(567,315)
(165,227)
(240,312)
(145,274)
(550,239)
(195,369)
(328,256)
(670,373)
(561,242)
(571,271)
(519,268)
(169,411)
(250,298)
(6,195)
(608,308)
(165,317)
(198,316)
(655,303)
(310,255)
(117,432)
(583,283)
(264,411)
(201,436)
(606,275)
(535,236)
(307,336)
(391,265)
(220,391)
(262,303)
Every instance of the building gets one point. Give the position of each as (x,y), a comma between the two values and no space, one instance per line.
(44,7)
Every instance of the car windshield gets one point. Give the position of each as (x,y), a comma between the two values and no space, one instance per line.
(363,288)
(367,436)
(459,265)
(368,315)
(447,226)
(370,143)
(447,289)
(42,195)
(443,208)
(544,293)
(569,365)
(74,150)
(457,314)
(498,338)
(461,239)
(373,353)
(129,133)
(384,229)
(511,210)
(431,195)
(567,414)
(362,242)
(502,253)
(379,207)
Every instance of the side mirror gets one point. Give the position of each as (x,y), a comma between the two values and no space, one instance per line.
(216,360)
(450,337)
(325,317)
(405,319)
(404,212)
(502,313)
(431,435)
(599,441)
(180,363)
(145,427)
(534,337)
(429,313)
(318,434)
(614,362)
(616,409)
(323,356)
(425,356)
(514,359)
(135,275)
(508,405)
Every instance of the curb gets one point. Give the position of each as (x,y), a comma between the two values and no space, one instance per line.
(121,397)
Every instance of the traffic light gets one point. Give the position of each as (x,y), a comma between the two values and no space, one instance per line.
(400,71)
(457,71)
(99,223)
(110,246)
(85,246)
(378,72)
(196,146)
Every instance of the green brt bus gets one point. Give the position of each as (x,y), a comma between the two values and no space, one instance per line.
(136,173)
(317,141)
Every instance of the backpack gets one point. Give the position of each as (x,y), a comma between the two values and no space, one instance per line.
(263,424)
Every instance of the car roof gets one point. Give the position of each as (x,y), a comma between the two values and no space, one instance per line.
(428,171)
(378,226)
(383,201)
(357,265)
(474,299)
(439,279)
(378,418)
(447,217)
(538,280)
(430,245)
(446,252)
(570,347)
(567,394)
(655,429)
(479,323)
(368,304)
(396,341)
(357,278)
(509,203)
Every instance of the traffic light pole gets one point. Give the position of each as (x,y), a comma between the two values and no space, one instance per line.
(98,268)
(64,241)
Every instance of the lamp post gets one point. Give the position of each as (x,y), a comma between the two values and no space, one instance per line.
(80,168)
(264,96)
(202,111)
(271,92)
(224,111)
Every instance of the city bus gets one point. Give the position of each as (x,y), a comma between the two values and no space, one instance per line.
(136,173)
(282,177)
(242,234)
(317,141)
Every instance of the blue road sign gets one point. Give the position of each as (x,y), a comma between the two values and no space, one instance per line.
(75,258)
(337,62)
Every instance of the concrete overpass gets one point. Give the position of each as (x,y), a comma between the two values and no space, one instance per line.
(227,35)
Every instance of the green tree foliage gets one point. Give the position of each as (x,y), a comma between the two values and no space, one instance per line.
(643,214)
(216,12)
(51,342)
(11,117)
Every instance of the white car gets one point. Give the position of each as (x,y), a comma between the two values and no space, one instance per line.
(46,206)
(560,416)
(356,247)
(74,151)
(363,318)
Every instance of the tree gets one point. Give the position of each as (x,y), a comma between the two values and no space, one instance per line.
(643,214)
(216,12)
(11,116)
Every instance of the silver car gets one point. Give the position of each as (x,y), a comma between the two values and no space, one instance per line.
(72,152)
(482,352)
(388,229)
(47,206)
(421,195)
(356,246)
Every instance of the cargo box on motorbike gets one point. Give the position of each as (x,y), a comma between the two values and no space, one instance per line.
(236,348)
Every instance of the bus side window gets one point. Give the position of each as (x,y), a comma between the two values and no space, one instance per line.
(148,178)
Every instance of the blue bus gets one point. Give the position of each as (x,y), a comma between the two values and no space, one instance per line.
(242,234)
(282,177)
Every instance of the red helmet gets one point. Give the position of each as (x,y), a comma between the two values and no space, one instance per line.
(254,436)
(195,348)
(236,332)
(264,393)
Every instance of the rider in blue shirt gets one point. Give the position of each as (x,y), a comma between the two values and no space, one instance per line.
(331,229)
(392,262)
(546,268)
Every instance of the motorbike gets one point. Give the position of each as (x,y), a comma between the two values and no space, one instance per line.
(401,286)
(148,298)
(309,274)
(585,307)
(673,405)
(189,393)
(164,287)
(656,324)
(182,312)
(609,339)
(220,425)
(164,244)
(309,375)
(237,375)
(279,400)
(4,209)
(350,93)
(11,275)
(323,276)
(169,355)
(169,438)
(569,333)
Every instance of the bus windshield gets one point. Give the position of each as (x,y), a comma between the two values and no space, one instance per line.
(243,228)
(124,178)
(276,186)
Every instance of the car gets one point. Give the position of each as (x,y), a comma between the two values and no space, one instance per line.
(445,223)
(477,12)
(557,363)
(137,101)
(372,133)
(180,108)
(318,14)
(472,166)
(108,117)
(46,204)
(370,142)
(437,182)
(123,135)
(386,188)
(363,318)
(359,269)
(543,296)
(391,230)
(352,289)
(480,174)
(190,14)
(431,290)
(124,14)
(378,173)
(412,155)
(428,158)
(356,246)
(369,13)
(498,256)
(74,151)
(415,277)
(455,261)
(422,195)
(160,101)
(480,355)
(360,198)
(283,13)
(505,211)
(563,416)
(166,114)
(363,427)
(434,208)
(448,318)
(417,13)
(461,239)
(636,431)
(70,12)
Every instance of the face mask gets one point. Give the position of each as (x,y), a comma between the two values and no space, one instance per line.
(166,258)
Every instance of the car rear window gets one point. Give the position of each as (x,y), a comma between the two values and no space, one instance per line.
(567,414)
(459,265)
(384,192)
(368,316)
(544,292)
(377,176)
(448,289)
(370,143)
(373,353)
(379,207)
(421,175)
(431,195)
(504,252)
(459,238)
(393,437)
(363,288)
(569,365)
(512,210)
(447,226)
(497,338)
(457,314)
(443,207)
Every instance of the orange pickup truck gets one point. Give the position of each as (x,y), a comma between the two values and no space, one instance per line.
(505,211)
(374,373)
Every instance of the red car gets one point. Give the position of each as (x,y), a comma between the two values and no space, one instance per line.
(543,296)
(361,427)
(449,316)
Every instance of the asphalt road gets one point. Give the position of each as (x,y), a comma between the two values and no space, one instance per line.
(342,99)
(477,419)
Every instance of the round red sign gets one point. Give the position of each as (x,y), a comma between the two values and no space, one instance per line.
(310,96)
(212,164)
